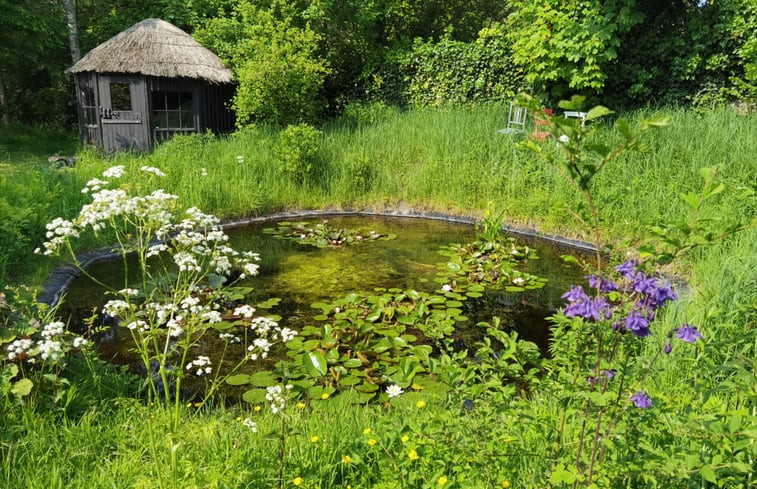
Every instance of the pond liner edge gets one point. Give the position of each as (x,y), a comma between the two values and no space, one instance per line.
(60,279)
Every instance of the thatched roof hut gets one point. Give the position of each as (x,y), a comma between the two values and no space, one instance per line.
(147,83)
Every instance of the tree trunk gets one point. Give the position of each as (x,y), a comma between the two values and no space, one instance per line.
(4,118)
(73,30)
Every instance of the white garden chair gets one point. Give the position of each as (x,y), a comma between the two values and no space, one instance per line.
(516,120)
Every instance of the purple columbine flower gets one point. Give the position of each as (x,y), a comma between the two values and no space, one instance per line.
(575,294)
(627,269)
(604,285)
(641,400)
(588,308)
(644,284)
(637,323)
(689,333)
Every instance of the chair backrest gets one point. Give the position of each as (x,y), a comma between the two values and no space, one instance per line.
(517,116)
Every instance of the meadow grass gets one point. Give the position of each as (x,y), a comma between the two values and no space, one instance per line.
(448,160)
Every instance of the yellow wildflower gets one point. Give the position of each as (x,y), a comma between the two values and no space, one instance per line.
(198,404)
(346,459)
(505,484)
(420,404)
(300,405)
(257,409)
(239,418)
(405,438)
(297,481)
(325,396)
(442,480)
(372,441)
(413,455)
(367,431)
(313,439)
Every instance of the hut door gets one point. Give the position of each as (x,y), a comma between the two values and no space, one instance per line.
(123,103)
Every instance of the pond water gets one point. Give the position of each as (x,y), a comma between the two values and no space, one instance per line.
(301,275)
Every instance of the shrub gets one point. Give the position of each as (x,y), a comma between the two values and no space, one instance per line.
(298,152)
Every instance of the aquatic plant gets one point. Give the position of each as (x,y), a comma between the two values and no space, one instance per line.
(324,235)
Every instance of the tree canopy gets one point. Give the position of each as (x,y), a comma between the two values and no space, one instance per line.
(301,60)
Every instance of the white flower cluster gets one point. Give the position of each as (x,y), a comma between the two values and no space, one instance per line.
(138,325)
(275,396)
(19,347)
(250,424)
(114,172)
(128,292)
(244,311)
(268,332)
(153,170)
(201,365)
(52,345)
(116,308)
(231,338)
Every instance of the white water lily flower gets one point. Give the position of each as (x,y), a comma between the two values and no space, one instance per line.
(394,390)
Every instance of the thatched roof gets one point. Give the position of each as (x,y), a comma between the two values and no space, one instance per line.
(155,47)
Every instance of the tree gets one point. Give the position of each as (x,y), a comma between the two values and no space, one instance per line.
(565,46)
(279,72)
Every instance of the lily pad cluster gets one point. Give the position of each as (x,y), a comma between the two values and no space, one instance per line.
(364,343)
(489,263)
(324,235)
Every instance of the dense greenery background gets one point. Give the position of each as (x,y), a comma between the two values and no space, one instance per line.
(324,53)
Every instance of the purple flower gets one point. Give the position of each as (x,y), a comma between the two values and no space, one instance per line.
(644,284)
(627,268)
(575,294)
(638,323)
(668,348)
(588,308)
(609,373)
(689,333)
(602,284)
(641,400)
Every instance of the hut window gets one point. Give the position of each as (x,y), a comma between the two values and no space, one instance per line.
(172,110)
(87,105)
(120,96)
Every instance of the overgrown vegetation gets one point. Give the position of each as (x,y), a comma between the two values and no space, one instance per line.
(673,389)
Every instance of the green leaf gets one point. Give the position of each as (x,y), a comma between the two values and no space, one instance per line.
(263,378)
(315,363)
(22,388)
(708,474)
(691,199)
(254,396)
(238,379)
(660,120)
(597,112)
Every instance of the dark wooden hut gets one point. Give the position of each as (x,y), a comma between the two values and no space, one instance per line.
(146,84)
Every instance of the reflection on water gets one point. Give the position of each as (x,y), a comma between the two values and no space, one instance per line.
(301,275)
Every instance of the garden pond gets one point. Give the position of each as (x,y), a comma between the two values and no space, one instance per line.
(410,257)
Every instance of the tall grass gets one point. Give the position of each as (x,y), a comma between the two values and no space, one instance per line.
(448,160)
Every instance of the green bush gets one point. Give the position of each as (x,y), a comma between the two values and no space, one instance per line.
(454,72)
(298,152)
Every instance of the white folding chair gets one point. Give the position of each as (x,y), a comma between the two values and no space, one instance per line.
(571,114)
(516,120)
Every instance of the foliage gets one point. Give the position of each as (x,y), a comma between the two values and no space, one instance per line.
(687,52)
(455,72)
(323,235)
(566,47)
(488,262)
(597,359)
(276,62)
(180,300)
(298,152)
